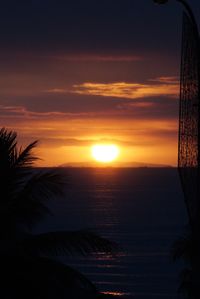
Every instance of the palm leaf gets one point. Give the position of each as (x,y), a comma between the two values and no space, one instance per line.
(26,206)
(28,212)
(14,165)
(68,243)
(8,144)
(16,219)
(24,191)
(44,185)
(25,157)
(30,277)
(23,165)
(28,203)
(7,140)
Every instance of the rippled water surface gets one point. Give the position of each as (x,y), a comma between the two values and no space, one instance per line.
(141,209)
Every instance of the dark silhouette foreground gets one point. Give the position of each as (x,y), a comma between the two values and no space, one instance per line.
(187,248)
(26,269)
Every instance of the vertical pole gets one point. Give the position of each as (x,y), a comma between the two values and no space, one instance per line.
(194,222)
(191,14)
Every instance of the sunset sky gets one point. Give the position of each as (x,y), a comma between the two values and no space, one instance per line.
(76,73)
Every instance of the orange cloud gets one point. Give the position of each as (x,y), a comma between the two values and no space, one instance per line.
(167,80)
(127,90)
(21,111)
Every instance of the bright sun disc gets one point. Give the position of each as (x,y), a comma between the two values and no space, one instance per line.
(105,153)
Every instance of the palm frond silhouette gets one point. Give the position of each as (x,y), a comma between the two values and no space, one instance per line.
(25,193)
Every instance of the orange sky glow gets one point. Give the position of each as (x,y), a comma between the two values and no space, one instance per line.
(78,73)
(65,141)
(69,114)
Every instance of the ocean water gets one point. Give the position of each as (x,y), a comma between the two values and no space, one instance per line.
(142,209)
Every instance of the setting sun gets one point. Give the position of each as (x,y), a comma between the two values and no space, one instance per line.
(105,152)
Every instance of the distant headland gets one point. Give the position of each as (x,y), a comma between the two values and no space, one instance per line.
(116,164)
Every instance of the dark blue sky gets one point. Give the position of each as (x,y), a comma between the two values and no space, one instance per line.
(91,26)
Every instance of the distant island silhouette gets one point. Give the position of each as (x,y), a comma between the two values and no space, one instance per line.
(116,164)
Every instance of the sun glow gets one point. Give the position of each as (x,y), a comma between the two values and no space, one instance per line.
(105,153)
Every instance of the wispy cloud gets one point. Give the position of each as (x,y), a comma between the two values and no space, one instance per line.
(86,142)
(166,80)
(99,58)
(21,111)
(57,90)
(162,86)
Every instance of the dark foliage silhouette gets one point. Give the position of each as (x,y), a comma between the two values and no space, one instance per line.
(26,266)
(187,248)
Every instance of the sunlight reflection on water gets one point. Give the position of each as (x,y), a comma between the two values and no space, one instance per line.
(116,293)
(140,209)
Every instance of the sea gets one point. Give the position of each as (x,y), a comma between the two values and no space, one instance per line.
(143,211)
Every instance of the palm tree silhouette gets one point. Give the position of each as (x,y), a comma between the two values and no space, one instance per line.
(24,256)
